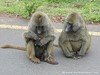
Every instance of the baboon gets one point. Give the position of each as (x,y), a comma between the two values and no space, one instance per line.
(39,39)
(74,39)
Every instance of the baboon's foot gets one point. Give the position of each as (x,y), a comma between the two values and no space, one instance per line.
(51,60)
(35,60)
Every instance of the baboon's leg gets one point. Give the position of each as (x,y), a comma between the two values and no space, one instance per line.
(89,43)
(84,48)
(31,52)
(50,58)
(67,48)
(50,49)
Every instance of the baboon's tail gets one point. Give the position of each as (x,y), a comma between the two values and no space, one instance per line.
(18,47)
(13,47)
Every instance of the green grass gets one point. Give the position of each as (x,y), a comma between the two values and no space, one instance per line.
(91,10)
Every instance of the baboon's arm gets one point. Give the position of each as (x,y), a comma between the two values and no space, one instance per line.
(47,39)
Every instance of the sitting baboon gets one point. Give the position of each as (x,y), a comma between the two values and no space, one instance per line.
(74,39)
(39,39)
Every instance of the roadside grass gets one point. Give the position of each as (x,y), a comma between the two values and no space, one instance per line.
(56,9)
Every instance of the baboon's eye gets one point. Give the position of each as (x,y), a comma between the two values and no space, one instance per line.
(42,27)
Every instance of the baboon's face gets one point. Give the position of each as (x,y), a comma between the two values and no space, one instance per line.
(71,27)
(40,30)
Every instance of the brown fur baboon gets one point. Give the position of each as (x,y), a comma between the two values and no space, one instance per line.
(39,39)
(74,39)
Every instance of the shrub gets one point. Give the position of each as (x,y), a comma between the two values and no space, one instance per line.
(31,6)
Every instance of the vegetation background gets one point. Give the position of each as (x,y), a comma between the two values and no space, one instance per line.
(56,9)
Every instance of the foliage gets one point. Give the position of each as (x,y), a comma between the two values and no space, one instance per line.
(31,6)
(24,8)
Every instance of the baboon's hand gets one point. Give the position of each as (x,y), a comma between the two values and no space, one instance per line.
(44,41)
(81,53)
(31,35)
(35,37)
(71,54)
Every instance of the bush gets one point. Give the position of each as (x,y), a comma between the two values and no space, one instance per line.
(59,1)
(31,6)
